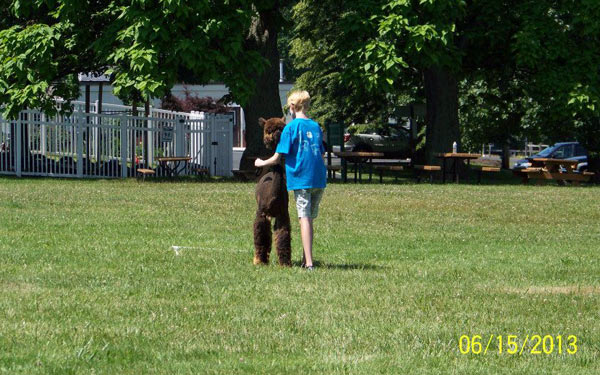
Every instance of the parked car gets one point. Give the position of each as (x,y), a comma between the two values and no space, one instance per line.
(392,141)
(562,150)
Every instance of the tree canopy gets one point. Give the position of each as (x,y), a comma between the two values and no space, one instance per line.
(141,44)
(507,60)
(323,34)
(510,66)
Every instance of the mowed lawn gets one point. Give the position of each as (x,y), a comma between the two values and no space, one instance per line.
(89,283)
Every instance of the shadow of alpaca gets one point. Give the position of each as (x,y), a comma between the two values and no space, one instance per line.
(351,266)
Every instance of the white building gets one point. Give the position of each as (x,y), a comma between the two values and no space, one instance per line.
(215,91)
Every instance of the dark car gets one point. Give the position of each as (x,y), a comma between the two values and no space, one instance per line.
(392,141)
(562,150)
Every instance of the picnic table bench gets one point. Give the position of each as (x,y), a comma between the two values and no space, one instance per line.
(456,157)
(331,169)
(358,158)
(145,172)
(429,169)
(486,169)
(253,173)
(176,161)
(201,171)
(390,168)
(560,170)
(394,165)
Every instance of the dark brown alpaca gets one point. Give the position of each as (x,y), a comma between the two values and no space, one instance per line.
(272,200)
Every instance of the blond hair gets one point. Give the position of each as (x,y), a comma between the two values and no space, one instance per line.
(300,99)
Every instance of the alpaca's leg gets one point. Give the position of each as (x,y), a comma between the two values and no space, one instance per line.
(283,239)
(262,238)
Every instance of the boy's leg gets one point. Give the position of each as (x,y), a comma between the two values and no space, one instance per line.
(303,206)
(307,204)
(306,232)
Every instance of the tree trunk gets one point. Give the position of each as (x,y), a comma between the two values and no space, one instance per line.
(594,166)
(441,90)
(265,102)
(510,127)
(506,155)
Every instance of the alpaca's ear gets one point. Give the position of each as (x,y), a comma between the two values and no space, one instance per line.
(261,122)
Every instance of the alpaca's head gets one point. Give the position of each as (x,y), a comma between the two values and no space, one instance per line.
(272,129)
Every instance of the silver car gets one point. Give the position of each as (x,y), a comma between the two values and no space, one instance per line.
(393,142)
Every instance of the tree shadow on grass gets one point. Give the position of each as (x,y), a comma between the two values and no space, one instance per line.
(197,179)
(348,266)
(504,177)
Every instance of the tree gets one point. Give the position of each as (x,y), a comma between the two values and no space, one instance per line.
(494,108)
(521,51)
(142,45)
(409,38)
(291,71)
(265,102)
(565,61)
(323,33)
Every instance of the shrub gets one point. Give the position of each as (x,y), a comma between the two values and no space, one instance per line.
(192,103)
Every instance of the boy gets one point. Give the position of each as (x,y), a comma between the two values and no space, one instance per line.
(302,144)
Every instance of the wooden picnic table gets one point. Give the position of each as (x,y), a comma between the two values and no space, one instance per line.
(393,165)
(176,161)
(358,158)
(457,157)
(553,165)
(560,170)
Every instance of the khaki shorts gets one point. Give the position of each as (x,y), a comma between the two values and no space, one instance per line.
(307,202)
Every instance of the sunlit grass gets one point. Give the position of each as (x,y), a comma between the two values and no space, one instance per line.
(90,283)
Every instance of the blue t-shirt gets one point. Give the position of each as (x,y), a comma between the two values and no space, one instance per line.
(302,144)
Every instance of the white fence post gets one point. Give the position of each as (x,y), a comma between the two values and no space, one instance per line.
(222,139)
(180,138)
(124,147)
(43,134)
(213,143)
(150,141)
(79,124)
(18,148)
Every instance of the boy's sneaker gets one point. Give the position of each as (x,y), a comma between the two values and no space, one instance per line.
(310,268)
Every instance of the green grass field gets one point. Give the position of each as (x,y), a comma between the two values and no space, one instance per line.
(89,283)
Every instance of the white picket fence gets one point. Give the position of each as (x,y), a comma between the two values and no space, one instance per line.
(116,109)
(116,145)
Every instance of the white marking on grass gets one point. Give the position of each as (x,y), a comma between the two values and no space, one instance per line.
(178,248)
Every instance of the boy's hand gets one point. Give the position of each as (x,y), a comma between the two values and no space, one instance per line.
(270,161)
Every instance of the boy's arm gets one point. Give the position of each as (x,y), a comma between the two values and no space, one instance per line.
(270,161)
